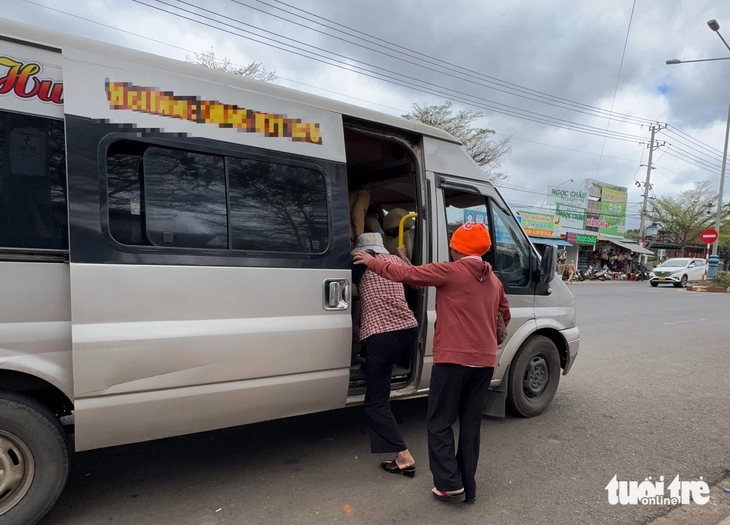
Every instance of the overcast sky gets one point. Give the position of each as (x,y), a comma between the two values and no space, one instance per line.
(569,49)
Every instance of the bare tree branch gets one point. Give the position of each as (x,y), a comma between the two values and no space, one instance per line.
(255,70)
(487,153)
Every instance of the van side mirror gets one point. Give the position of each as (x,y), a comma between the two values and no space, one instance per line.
(548,265)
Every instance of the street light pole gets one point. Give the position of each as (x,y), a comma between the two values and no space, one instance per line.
(718,217)
(714,26)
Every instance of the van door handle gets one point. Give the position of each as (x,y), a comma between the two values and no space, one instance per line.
(336,294)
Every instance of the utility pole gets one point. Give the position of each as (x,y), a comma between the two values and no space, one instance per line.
(647,183)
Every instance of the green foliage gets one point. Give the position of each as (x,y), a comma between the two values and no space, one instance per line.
(632,234)
(722,279)
(486,152)
(254,70)
(684,216)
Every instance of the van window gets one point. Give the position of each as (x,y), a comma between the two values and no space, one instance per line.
(276,207)
(512,253)
(185,199)
(462,207)
(166,197)
(32,183)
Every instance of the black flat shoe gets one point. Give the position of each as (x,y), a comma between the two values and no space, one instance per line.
(445,495)
(393,468)
(469,500)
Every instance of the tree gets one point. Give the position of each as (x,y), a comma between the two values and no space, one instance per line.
(487,153)
(685,216)
(255,70)
(632,234)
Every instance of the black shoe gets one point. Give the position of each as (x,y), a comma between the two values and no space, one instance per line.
(393,468)
(469,500)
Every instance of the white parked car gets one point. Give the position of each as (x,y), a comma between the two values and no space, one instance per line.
(678,271)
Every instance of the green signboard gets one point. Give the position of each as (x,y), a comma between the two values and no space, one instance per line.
(537,224)
(613,212)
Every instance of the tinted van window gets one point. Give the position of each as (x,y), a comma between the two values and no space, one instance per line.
(277,207)
(33,211)
(167,197)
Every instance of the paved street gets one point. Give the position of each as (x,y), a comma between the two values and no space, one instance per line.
(649,395)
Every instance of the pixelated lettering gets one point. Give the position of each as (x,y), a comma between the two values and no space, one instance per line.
(124,96)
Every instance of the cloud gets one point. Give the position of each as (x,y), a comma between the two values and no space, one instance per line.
(561,48)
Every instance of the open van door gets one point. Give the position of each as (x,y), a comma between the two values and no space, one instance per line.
(209,257)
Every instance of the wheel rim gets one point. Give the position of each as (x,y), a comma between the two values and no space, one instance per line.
(684,281)
(535,380)
(17,469)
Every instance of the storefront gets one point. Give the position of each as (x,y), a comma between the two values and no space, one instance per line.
(583,246)
(618,256)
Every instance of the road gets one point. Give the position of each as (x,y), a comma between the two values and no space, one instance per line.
(649,395)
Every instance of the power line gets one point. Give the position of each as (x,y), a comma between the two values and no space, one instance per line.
(511,88)
(434,89)
(698,142)
(73,15)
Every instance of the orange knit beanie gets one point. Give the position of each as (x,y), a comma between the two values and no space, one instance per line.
(472,238)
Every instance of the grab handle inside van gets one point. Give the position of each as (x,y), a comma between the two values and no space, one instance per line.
(402,225)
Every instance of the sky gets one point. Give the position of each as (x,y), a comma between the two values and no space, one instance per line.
(563,63)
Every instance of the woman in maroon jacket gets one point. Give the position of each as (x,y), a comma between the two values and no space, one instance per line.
(468,299)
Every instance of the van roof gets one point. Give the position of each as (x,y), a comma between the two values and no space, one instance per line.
(30,34)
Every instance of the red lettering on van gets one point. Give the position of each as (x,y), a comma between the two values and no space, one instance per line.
(21,80)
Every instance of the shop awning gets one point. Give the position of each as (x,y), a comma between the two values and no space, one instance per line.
(635,248)
(546,240)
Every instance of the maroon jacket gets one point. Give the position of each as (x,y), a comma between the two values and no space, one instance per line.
(468,298)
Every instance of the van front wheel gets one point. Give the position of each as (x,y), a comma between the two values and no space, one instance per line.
(534,377)
(33,459)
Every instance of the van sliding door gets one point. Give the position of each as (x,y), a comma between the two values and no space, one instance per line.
(209,259)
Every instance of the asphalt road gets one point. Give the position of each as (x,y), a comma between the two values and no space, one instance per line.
(649,395)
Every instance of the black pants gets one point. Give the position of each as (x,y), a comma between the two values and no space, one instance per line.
(455,391)
(383,351)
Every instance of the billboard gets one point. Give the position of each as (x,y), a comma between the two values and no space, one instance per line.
(570,206)
(606,208)
(538,224)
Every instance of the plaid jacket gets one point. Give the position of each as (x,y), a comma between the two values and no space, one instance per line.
(384,306)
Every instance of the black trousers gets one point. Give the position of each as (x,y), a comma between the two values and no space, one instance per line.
(455,391)
(383,351)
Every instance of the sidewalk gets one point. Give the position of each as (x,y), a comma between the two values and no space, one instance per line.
(715,512)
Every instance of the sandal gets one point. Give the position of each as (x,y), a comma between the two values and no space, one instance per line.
(448,495)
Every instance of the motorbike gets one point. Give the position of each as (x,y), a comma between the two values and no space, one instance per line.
(593,275)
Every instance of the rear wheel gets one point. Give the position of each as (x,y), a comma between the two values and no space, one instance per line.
(534,377)
(33,459)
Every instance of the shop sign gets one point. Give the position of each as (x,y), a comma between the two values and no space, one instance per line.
(580,239)
(537,224)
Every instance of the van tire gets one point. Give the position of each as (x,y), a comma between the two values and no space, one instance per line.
(533,377)
(28,428)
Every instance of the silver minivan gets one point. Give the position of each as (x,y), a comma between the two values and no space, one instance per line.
(174,255)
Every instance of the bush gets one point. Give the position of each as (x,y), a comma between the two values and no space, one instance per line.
(722,279)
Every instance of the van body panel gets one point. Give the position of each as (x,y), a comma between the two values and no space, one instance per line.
(189,326)
(130,418)
(121,92)
(35,322)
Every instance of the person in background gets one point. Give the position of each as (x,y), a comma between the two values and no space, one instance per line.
(469,297)
(571,271)
(388,330)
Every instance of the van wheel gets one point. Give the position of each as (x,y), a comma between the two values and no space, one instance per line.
(534,377)
(33,459)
